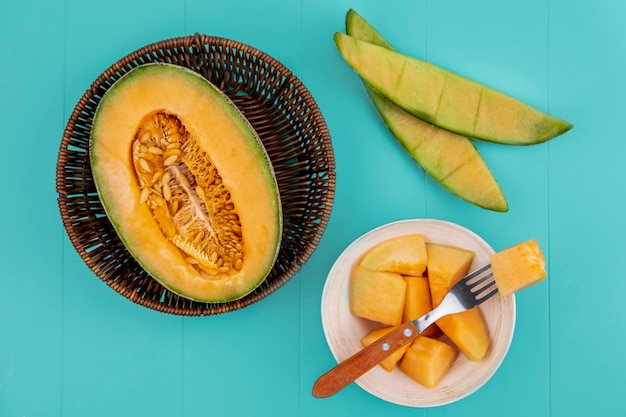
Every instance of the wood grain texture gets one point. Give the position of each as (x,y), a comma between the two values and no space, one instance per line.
(362,361)
(70,346)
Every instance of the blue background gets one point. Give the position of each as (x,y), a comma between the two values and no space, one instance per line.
(71,346)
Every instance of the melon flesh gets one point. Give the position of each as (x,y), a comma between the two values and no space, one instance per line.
(391,361)
(446,266)
(518,267)
(186,183)
(467,330)
(377,295)
(428,360)
(417,302)
(405,254)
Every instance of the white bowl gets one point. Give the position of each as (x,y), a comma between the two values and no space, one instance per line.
(343,331)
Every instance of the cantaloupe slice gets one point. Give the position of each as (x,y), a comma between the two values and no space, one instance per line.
(395,357)
(449,158)
(405,254)
(417,302)
(518,267)
(467,330)
(428,360)
(446,99)
(377,295)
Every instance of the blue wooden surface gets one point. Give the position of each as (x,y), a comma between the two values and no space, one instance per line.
(70,346)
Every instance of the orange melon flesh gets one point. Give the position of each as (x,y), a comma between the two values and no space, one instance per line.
(428,360)
(518,267)
(241,162)
(467,330)
(446,265)
(395,357)
(417,301)
(377,295)
(404,254)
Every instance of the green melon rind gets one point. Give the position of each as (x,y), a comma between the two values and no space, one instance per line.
(408,131)
(432,94)
(253,139)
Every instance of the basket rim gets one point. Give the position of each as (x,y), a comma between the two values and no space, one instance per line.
(186,46)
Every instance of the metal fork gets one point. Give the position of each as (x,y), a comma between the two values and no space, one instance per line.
(471,291)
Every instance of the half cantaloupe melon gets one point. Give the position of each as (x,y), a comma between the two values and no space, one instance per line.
(186,183)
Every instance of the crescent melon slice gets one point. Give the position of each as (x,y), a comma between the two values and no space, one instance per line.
(447,99)
(450,159)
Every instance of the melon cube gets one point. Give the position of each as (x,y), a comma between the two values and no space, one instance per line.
(518,267)
(428,360)
(417,301)
(467,330)
(446,266)
(377,296)
(404,255)
(391,361)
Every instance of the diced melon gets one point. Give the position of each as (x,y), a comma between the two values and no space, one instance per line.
(404,254)
(428,360)
(518,267)
(467,330)
(377,295)
(417,301)
(446,266)
(395,357)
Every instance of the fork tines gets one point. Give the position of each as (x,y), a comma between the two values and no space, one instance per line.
(482,283)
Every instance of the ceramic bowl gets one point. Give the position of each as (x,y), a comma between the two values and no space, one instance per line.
(343,331)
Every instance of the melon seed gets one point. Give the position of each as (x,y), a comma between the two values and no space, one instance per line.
(167,176)
(145,193)
(144,165)
(200,193)
(167,192)
(156,177)
(171,160)
(155,150)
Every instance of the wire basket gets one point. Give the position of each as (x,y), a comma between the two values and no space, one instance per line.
(289,123)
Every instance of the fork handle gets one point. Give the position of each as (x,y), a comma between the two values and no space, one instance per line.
(364,360)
